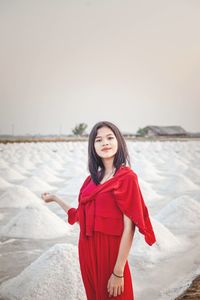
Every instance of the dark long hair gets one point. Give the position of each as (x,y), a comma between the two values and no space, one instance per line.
(94,161)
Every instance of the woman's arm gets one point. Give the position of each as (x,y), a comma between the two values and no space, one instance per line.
(70,211)
(47,197)
(62,204)
(125,245)
(115,285)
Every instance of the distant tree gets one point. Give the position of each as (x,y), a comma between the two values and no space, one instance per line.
(80,129)
(142,131)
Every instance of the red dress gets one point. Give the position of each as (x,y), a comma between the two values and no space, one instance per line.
(100,215)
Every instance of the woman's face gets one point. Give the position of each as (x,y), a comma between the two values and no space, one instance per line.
(105,143)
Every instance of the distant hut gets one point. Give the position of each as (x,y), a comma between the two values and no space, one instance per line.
(165,131)
(127,134)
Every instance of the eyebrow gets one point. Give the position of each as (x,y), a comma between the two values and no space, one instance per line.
(98,136)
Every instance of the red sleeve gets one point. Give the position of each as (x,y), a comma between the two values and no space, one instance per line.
(73,213)
(130,201)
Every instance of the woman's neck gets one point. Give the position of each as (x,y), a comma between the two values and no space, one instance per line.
(108,165)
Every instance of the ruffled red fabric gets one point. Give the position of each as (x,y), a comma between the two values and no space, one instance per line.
(131,202)
(123,196)
(73,213)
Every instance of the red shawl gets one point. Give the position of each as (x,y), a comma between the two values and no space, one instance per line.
(125,188)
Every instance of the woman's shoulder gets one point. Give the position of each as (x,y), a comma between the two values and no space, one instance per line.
(85,182)
(128,172)
(88,178)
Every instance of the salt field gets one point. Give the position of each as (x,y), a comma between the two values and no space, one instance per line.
(38,248)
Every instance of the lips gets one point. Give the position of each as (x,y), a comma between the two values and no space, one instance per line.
(105,149)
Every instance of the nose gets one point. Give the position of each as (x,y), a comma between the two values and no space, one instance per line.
(105,143)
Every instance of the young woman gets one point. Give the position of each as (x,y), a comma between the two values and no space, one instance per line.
(110,205)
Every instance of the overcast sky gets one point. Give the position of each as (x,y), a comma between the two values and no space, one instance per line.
(134,63)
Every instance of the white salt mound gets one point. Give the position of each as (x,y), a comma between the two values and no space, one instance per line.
(173,165)
(17,196)
(21,170)
(148,192)
(4,184)
(147,171)
(72,186)
(26,163)
(35,222)
(55,275)
(37,185)
(182,212)
(73,170)
(166,242)
(11,175)
(56,165)
(48,177)
(177,185)
(3,164)
(48,170)
(194,174)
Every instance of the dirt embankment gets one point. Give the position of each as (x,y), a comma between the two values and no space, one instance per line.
(192,292)
(27,139)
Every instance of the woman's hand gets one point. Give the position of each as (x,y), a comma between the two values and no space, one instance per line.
(50,198)
(115,286)
(47,197)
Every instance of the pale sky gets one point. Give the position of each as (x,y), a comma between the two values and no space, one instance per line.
(64,62)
